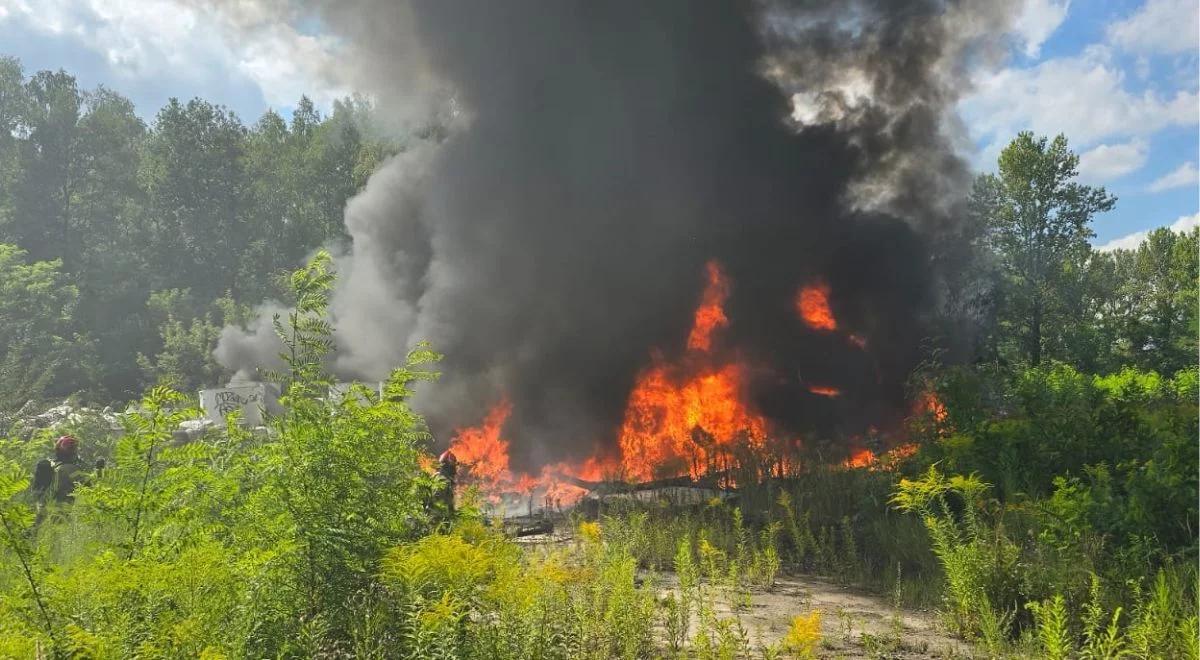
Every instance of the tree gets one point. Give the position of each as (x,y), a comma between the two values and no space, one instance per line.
(1154,321)
(13,102)
(42,218)
(186,361)
(40,357)
(194,201)
(195,179)
(108,209)
(1037,221)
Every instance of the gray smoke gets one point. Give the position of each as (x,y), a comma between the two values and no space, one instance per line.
(597,154)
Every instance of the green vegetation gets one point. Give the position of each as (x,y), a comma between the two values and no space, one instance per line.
(138,243)
(1049,508)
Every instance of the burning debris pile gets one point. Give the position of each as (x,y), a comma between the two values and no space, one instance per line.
(688,424)
(653,239)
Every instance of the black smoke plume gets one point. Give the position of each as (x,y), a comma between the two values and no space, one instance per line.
(597,154)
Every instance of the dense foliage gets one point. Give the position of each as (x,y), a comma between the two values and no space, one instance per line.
(156,236)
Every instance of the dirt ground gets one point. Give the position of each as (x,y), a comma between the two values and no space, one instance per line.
(854,624)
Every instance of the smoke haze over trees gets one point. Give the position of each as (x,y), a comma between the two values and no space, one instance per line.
(161,231)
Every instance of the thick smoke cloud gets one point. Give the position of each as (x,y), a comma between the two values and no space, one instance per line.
(599,153)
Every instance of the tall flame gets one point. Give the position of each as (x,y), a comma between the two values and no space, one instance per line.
(482,450)
(710,315)
(685,419)
(685,425)
(812,304)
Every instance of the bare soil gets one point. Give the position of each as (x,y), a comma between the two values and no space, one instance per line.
(854,623)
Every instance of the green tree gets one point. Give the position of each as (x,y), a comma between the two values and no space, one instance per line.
(109,210)
(42,218)
(40,356)
(1037,221)
(189,336)
(13,101)
(1155,320)
(194,175)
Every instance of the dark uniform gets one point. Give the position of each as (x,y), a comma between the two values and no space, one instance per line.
(448,468)
(57,477)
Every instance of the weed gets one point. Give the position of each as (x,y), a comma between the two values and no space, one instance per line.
(804,635)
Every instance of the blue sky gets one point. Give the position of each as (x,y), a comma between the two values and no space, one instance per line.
(1119,77)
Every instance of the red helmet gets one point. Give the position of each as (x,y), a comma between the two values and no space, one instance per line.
(448,457)
(66,444)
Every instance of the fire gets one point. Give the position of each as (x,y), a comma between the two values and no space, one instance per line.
(812,304)
(687,417)
(560,491)
(904,450)
(683,425)
(482,450)
(865,458)
(861,458)
(710,315)
(930,404)
(684,419)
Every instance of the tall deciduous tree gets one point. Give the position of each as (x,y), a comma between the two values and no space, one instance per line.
(42,222)
(195,177)
(1037,220)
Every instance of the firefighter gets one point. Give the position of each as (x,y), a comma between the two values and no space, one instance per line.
(57,477)
(448,468)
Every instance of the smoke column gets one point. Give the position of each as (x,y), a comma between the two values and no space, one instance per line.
(598,154)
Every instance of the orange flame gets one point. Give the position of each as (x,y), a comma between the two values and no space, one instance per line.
(484,453)
(812,304)
(681,418)
(710,315)
(930,404)
(562,492)
(685,425)
(861,458)
(865,458)
(482,450)
(686,419)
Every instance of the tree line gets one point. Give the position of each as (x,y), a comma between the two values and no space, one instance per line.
(1048,295)
(127,245)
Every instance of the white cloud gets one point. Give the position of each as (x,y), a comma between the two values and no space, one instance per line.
(141,39)
(1083,96)
(1131,241)
(1112,161)
(1184,175)
(1037,21)
(1159,26)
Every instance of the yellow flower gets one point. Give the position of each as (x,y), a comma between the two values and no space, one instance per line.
(590,531)
(804,635)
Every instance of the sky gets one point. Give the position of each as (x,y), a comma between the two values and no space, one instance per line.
(1119,77)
